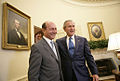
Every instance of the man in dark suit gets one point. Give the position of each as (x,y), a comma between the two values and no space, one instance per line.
(75,53)
(44,62)
(15,36)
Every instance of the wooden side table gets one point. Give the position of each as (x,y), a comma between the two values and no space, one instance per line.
(117,75)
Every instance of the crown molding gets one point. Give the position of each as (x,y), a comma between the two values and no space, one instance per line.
(93,3)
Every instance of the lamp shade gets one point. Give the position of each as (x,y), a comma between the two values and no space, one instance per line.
(114,42)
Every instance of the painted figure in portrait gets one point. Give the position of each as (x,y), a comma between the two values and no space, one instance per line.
(15,36)
(96,31)
(17,29)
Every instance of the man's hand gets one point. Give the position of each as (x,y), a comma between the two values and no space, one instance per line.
(95,78)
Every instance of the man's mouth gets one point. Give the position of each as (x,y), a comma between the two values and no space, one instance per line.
(71,31)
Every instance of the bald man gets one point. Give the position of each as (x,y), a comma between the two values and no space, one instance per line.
(44,62)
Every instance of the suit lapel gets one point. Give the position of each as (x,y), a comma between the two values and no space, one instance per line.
(77,42)
(57,53)
(57,50)
(46,46)
(15,33)
(64,46)
(65,43)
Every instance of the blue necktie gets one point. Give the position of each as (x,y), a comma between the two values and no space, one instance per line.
(71,47)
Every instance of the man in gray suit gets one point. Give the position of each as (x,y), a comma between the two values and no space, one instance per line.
(44,62)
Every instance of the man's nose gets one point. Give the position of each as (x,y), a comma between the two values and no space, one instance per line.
(72,28)
(55,31)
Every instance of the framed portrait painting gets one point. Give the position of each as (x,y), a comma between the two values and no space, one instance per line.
(16,32)
(96,31)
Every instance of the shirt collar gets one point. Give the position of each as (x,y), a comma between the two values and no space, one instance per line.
(71,37)
(16,29)
(47,39)
(73,40)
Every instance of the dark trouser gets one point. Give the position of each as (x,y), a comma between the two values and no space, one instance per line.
(73,76)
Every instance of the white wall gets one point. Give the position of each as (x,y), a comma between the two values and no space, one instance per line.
(14,64)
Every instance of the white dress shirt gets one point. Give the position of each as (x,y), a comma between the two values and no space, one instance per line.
(18,33)
(52,47)
(73,40)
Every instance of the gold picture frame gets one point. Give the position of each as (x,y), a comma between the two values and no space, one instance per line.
(96,31)
(16,30)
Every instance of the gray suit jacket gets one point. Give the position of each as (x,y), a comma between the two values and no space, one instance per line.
(43,64)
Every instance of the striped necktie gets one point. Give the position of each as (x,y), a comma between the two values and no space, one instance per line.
(53,48)
(71,47)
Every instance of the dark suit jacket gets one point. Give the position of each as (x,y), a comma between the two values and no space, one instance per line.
(77,62)
(13,38)
(43,64)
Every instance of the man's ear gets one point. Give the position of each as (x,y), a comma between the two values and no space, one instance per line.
(64,29)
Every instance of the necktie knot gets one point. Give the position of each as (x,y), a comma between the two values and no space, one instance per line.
(70,38)
(51,44)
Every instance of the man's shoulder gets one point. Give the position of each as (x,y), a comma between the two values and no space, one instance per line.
(39,43)
(60,39)
(80,37)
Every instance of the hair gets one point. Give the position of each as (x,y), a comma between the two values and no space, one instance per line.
(64,25)
(44,25)
(39,32)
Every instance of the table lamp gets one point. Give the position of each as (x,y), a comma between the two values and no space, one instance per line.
(114,44)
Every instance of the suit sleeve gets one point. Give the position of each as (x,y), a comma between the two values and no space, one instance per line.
(90,60)
(34,64)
